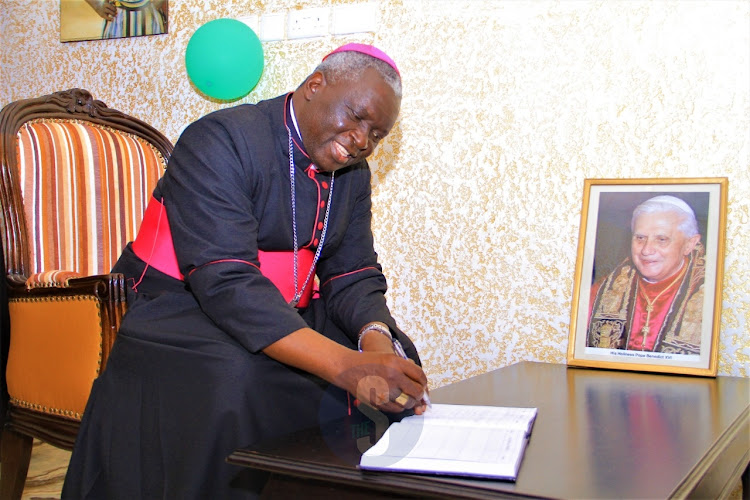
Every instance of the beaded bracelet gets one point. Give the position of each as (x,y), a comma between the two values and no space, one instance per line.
(397,347)
(370,327)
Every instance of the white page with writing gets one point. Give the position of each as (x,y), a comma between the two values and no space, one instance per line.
(476,416)
(455,439)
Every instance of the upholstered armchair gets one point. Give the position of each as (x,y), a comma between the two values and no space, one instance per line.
(76,177)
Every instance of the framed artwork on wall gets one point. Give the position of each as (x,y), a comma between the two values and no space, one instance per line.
(649,272)
(105,19)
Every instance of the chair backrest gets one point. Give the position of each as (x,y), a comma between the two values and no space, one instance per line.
(76,178)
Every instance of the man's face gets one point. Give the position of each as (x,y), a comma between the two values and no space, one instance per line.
(658,247)
(343,122)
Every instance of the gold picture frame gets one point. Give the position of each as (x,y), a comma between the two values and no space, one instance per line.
(648,283)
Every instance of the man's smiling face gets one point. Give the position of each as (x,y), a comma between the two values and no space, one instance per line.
(658,246)
(343,121)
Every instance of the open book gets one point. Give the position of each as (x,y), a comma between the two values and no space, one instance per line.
(481,441)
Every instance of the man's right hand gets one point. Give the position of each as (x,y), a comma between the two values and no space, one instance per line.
(385,381)
(376,378)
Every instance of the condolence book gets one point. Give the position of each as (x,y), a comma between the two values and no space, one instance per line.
(463,440)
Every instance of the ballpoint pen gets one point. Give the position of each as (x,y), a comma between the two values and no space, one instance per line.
(400,351)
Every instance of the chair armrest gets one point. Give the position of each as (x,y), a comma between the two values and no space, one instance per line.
(109,289)
(60,339)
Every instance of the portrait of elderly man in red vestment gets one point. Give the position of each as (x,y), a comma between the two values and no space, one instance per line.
(653,300)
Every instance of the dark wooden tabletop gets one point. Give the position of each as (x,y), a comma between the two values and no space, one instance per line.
(598,434)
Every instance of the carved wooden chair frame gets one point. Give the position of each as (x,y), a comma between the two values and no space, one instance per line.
(24,421)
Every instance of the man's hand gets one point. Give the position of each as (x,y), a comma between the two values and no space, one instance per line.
(377,378)
(375,341)
(385,381)
(104,8)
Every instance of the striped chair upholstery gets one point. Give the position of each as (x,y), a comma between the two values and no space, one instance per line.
(75,180)
(85,187)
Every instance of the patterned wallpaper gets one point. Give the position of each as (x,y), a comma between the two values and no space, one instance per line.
(508,107)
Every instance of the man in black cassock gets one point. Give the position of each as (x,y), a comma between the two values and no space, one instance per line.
(228,338)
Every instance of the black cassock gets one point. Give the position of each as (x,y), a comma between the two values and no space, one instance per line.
(186,382)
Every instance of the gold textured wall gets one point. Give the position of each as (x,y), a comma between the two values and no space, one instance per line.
(508,107)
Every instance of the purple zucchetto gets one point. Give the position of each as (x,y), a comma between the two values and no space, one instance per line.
(370,50)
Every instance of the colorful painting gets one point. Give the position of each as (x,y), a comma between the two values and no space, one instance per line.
(104,19)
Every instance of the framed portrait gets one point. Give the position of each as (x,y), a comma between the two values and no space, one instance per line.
(649,272)
(106,19)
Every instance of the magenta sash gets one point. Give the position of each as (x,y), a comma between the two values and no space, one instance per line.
(154,246)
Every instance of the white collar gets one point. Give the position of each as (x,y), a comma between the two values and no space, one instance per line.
(294,118)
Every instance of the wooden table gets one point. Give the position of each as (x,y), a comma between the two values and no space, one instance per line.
(598,434)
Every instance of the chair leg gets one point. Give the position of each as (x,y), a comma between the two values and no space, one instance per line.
(15,454)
